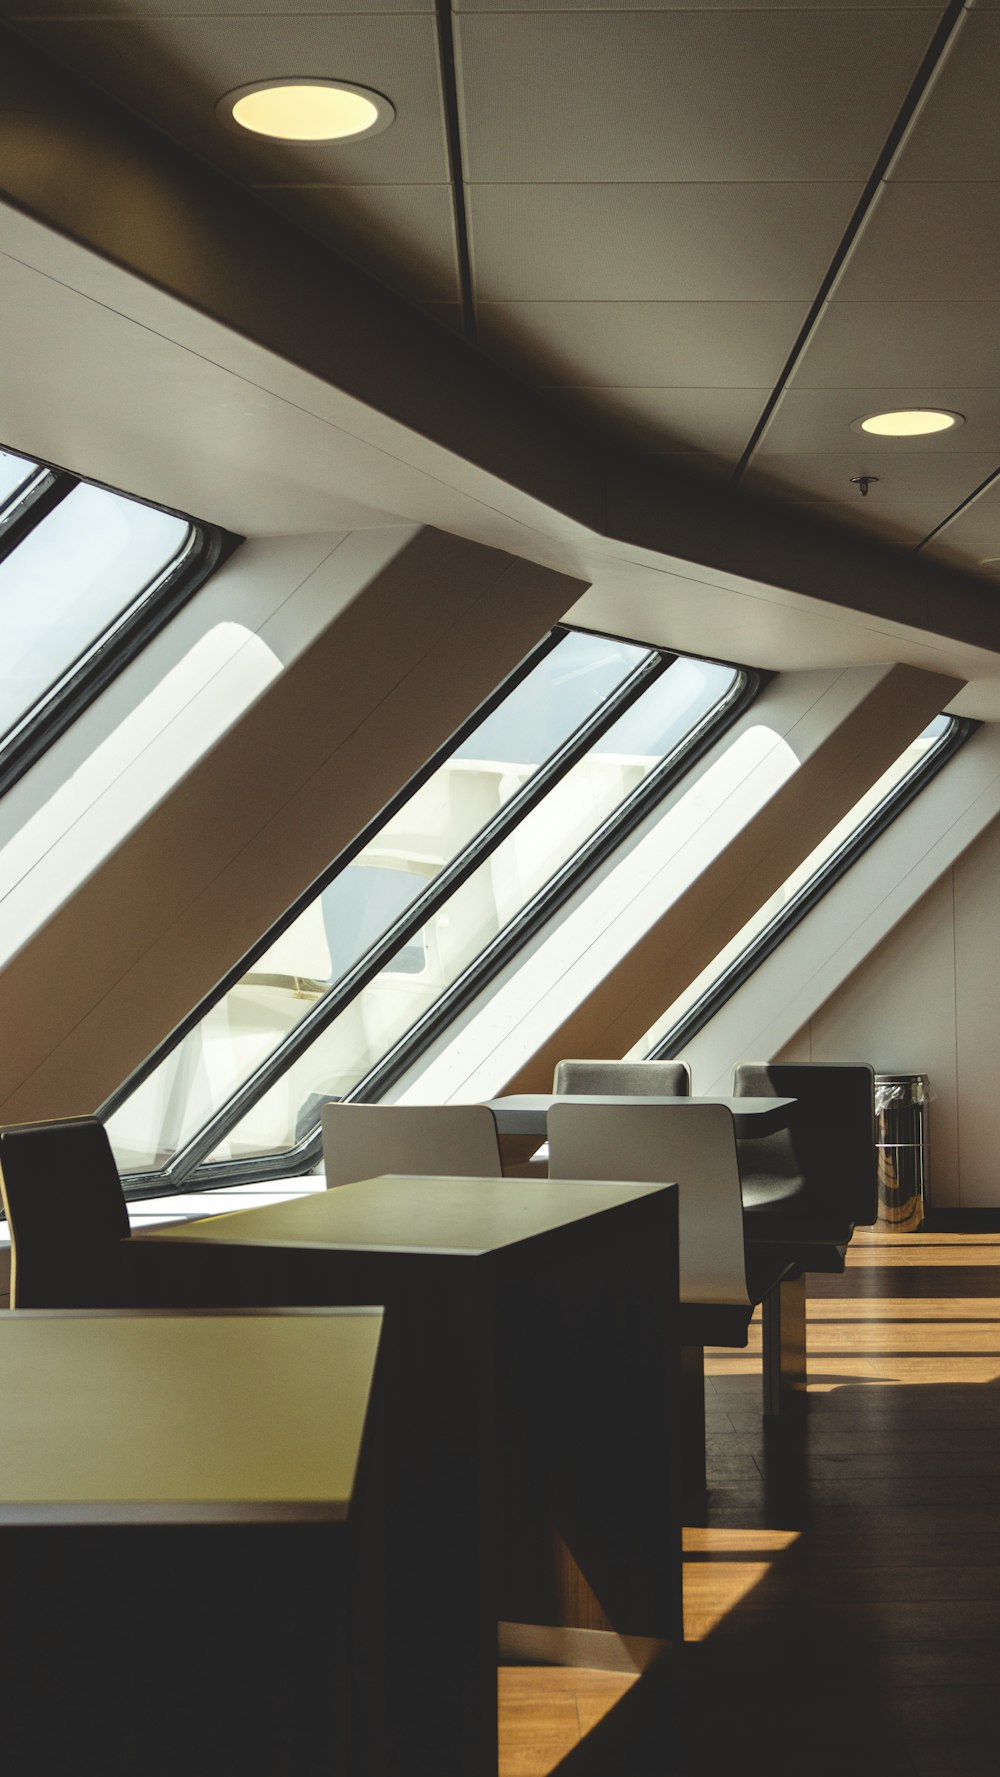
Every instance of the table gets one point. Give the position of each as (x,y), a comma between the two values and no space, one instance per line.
(525,1113)
(179,1502)
(527,1400)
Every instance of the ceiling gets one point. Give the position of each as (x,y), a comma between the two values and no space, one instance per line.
(723,232)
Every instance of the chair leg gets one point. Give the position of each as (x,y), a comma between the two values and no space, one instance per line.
(784,1348)
(694,1483)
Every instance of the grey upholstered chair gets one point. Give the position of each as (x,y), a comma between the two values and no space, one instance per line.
(722,1277)
(625,1079)
(452,1140)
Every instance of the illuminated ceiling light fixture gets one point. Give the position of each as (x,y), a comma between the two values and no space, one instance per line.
(307,110)
(908,422)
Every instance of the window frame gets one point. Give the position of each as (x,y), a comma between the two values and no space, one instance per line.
(189,1167)
(85,676)
(341,861)
(670,1047)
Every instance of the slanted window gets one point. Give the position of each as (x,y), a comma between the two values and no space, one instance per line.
(86,577)
(801,891)
(16,476)
(430,904)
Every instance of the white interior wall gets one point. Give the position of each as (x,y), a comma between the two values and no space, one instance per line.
(925,1001)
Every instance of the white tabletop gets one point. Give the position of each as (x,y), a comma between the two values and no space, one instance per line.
(396,1213)
(162,1417)
(525,1113)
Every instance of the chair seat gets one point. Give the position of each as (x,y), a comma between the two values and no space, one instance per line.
(815,1229)
(721,1323)
(766,1266)
(766,1195)
(784,1209)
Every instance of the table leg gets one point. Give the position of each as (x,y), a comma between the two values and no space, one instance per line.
(440,1547)
(589,1434)
(783,1346)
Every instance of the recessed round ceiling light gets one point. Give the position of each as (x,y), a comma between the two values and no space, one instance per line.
(306,110)
(991,561)
(908,422)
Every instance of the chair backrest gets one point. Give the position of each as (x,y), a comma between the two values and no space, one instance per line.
(832,1143)
(452,1141)
(625,1079)
(66,1212)
(692,1146)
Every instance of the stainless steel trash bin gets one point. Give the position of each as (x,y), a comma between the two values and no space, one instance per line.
(901,1148)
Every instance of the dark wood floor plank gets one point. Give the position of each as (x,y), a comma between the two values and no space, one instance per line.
(846,1580)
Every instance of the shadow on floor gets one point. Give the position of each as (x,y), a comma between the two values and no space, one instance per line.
(870,1646)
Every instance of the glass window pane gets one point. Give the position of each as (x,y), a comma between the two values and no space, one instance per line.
(15,472)
(910,760)
(495,760)
(69,580)
(501,888)
(572,681)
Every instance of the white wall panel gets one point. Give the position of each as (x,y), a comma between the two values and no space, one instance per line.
(898,1012)
(855,917)
(977,980)
(925,1001)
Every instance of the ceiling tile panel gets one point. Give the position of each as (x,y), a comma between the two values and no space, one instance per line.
(699,5)
(888,345)
(716,421)
(664,96)
(24,10)
(811,420)
(906,533)
(758,243)
(973,535)
(955,134)
(719,345)
(917,492)
(446,314)
(174,70)
(27,87)
(941,242)
(403,234)
(691,462)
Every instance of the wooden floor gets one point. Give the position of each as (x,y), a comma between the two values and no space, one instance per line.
(842,1598)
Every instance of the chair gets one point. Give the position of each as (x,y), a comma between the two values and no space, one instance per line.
(365,1140)
(625,1079)
(722,1279)
(66,1212)
(815,1182)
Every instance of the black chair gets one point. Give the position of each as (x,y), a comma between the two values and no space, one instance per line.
(625,1079)
(812,1184)
(806,1188)
(66,1212)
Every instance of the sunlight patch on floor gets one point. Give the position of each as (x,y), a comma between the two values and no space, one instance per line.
(544,1711)
(721,1567)
(710,1539)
